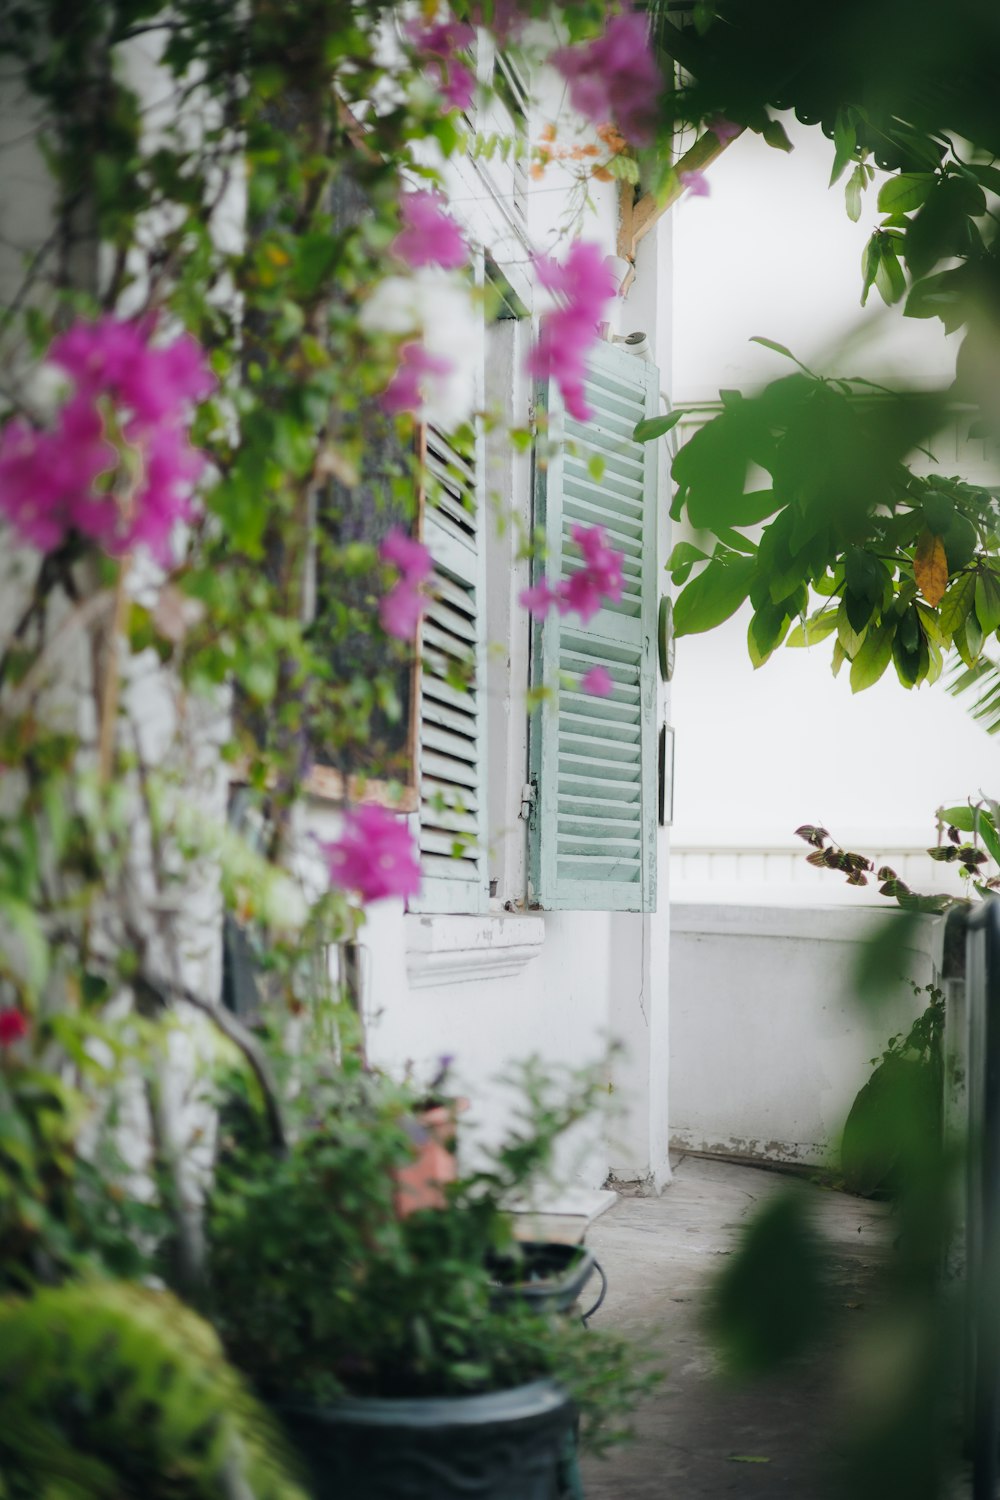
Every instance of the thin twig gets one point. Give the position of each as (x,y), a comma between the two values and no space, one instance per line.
(111,690)
(163,991)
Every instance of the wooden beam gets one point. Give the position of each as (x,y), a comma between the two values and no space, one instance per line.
(638,215)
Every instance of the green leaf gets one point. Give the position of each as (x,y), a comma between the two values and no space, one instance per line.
(654,427)
(775,135)
(850,638)
(845,141)
(852,193)
(766,631)
(988,601)
(19,918)
(758,338)
(810,632)
(714,595)
(957,602)
(873,656)
(769,1302)
(905,192)
(890,278)
(682,559)
(870,257)
(882,960)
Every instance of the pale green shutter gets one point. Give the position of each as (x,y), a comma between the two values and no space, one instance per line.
(452,705)
(593,760)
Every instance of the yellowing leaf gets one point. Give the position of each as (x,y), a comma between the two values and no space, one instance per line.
(930,567)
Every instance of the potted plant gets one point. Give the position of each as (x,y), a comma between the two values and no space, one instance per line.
(378,1336)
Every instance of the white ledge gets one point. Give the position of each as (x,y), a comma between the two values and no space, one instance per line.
(451,950)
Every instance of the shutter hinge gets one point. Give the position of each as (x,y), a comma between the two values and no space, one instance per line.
(529,801)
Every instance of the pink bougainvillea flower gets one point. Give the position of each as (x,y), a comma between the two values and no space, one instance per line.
(724,130)
(539,599)
(438,45)
(615,77)
(584,285)
(415,385)
(411,557)
(114,355)
(13,1026)
(696,183)
(400,609)
(375,855)
(431,237)
(597,682)
(47,476)
(115,464)
(586,589)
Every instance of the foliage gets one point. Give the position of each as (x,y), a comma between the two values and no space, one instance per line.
(974,862)
(110,1392)
(897,1115)
(769,1303)
(320,1286)
(66,1207)
(896,567)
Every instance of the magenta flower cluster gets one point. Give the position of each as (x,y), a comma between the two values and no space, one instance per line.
(586,589)
(615,77)
(375,855)
(400,609)
(13,1026)
(115,464)
(437,45)
(584,286)
(430,237)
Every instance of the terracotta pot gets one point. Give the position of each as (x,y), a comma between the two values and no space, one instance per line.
(421,1184)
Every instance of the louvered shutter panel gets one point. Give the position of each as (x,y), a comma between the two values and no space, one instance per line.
(593,760)
(452,727)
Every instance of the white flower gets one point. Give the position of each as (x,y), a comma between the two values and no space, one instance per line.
(438,310)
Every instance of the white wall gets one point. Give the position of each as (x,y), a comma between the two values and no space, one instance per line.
(771,251)
(770,1045)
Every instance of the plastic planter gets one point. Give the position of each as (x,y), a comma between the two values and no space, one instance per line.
(506,1445)
(547,1276)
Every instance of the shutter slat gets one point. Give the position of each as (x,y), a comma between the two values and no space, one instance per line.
(443,843)
(460,746)
(621,828)
(586,867)
(457,798)
(618,452)
(432,712)
(594,744)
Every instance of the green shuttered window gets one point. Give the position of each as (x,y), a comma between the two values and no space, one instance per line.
(593,759)
(452,717)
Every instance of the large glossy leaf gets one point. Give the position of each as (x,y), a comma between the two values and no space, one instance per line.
(905,192)
(957,602)
(654,427)
(988,601)
(874,655)
(714,595)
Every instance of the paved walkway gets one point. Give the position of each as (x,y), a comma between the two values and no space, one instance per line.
(694,1436)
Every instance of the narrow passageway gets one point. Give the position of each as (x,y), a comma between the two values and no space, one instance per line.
(700,1438)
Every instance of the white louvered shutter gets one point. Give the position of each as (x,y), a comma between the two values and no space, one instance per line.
(593,760)
(452,708)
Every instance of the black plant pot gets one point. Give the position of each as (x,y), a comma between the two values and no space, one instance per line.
(506,1445)
(547,1275)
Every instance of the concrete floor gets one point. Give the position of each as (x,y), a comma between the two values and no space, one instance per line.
(693,1437)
